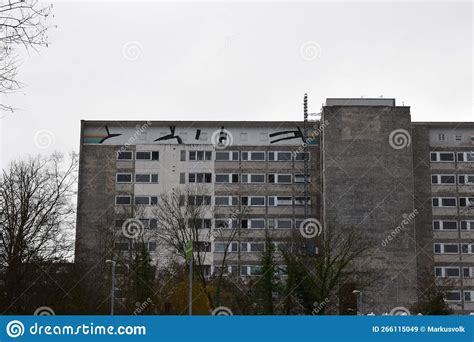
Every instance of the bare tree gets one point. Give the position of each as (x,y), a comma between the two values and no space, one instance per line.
(36,216)
(23,23)
(186,215)
(315,278)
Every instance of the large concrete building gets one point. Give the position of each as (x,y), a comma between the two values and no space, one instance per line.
(408,186)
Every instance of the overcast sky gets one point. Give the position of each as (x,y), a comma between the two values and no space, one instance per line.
(220,61)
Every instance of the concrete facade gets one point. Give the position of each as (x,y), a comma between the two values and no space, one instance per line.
(370,168)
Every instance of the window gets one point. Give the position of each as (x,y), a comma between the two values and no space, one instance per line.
(447,272)
(199,200)
(444,201)
(225,223)
(221,247)
(125,155)
(279,200)
(227,155)
(202,246)
(250,270)
(252,246)
(467,248)
(142,155)
(453,296)
(146,178)
(253,223)
(468,295)
(149,223)
(443,179)
(467,157)
(468,272)
(124,177)
(280,223)
(146,200)
(123,200)
(253,156)
(231,269)
(302,201)
(227,178)
(466,202)
(253,200)
(467,225)
(199,223)
(220,201)
(182,155)
(445,225)
(301,178)
(466,179)
(442,156)
(279,156)
(302,156)
(441,137)
(279,178)
(200,155)
(446,248)
(458,137)
(200,178)
(253,178)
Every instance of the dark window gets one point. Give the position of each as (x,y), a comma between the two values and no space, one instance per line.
(452,272)
(143,155)
(436,225)
(451,248)
(124,177)
(123,200)
(125,155)
(235,178)
(447,179)
(271,178)
(155,155)
(446,156)
(450,225)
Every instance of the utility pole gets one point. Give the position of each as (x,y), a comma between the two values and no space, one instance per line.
(306,166)
(112,289)
(189,257)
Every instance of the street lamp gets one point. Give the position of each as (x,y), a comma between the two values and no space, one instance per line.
(359,300)
(112,290)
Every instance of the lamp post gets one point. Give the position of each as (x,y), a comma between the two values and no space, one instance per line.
(112,289)
(359,300)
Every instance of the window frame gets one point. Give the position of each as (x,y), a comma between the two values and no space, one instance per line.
(122,174)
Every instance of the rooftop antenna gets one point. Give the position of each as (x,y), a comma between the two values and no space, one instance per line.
(306,166)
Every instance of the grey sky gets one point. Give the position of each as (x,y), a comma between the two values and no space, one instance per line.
(220,61)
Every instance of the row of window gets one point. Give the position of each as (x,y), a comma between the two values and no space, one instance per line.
(245,178)
(453,248)
(220,155)
(451,179)
(453,225)
(126,177)
(448,202)
(203,223)
(457,137)
(454,272)
(218,200)
(450,156)
(455,296)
